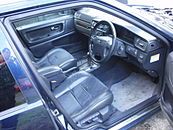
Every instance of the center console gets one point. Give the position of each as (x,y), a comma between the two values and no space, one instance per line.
(87,64)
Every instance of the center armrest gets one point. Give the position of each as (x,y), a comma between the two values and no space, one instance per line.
(53,74)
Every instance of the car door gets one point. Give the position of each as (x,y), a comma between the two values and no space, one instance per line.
(166,101)
(43,32)
(27,112)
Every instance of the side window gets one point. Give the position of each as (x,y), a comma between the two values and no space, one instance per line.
(10,94)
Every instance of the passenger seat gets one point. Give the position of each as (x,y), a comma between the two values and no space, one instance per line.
(56,57)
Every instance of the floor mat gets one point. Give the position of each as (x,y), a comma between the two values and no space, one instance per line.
(132,91)
(113,72)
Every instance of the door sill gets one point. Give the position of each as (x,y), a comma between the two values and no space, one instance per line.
(138,117)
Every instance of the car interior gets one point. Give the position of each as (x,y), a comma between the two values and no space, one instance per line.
(99,68)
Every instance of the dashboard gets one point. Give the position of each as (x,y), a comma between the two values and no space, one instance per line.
(133,44)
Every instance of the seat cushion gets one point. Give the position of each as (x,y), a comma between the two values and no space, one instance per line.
(59,57)
(82,94)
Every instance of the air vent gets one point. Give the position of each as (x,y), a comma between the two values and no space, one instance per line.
(141,44)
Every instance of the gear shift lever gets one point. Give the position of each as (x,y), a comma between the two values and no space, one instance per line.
(92,64)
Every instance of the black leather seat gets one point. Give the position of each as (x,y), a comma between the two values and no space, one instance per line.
(58,57)
(85,98)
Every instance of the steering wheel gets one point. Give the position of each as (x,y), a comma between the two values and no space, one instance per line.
(102,41)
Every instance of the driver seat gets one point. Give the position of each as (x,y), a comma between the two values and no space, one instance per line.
(85,98)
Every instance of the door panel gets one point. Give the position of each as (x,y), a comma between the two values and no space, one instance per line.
(37,33)
(46,35)
(49,30)
(167,92)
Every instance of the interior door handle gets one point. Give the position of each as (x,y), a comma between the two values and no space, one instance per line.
(55,28)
